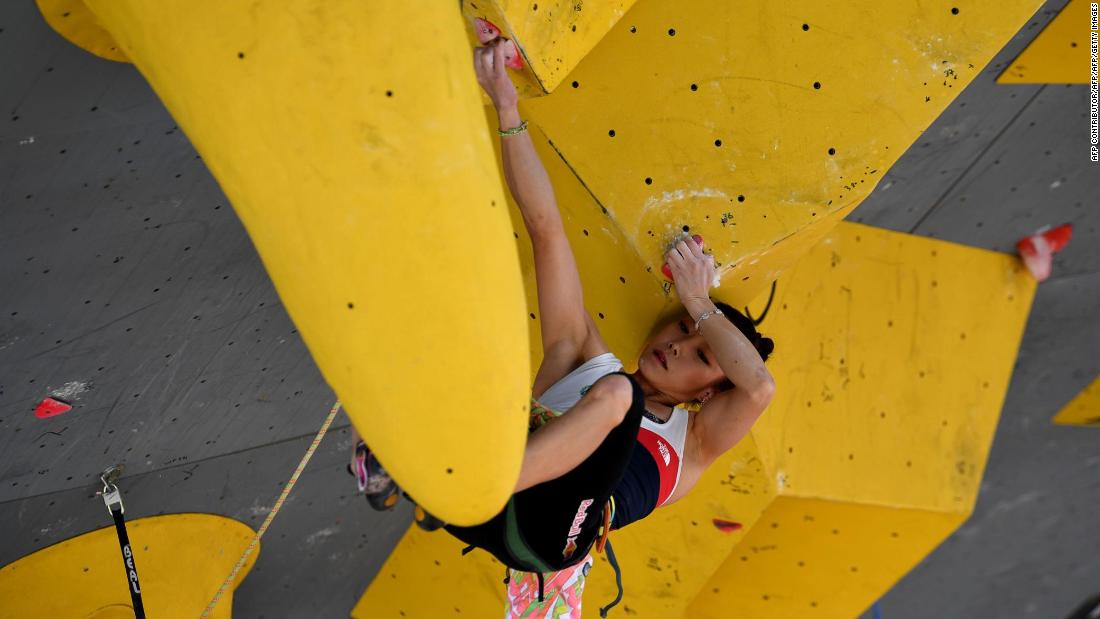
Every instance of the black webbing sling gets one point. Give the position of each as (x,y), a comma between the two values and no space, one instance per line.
(113,499)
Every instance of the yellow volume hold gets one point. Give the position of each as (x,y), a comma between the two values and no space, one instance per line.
(359,161)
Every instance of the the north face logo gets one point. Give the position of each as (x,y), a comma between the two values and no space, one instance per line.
(661,447)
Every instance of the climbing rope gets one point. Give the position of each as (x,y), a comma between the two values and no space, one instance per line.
(274,510)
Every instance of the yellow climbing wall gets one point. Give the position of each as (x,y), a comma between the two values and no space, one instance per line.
(879,433)
(72,20)
(361,167)
(181,560)
(870,455)
(552,35)
(1083,410)
(366,179)
(377,208)
(1059,54)
(818,558)
(752,122)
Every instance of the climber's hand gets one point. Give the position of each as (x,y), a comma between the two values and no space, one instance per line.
(692,271)
(493,76)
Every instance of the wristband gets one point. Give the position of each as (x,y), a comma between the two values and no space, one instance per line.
(514,130)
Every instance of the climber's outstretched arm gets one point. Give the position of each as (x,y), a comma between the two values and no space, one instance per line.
(566,328)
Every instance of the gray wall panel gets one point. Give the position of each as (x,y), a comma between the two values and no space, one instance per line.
(1036,173)
(315,560)
(50,87)
(144,287)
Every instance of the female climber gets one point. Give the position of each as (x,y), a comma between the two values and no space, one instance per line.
(625,445)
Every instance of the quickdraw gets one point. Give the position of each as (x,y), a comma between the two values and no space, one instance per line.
(112,498)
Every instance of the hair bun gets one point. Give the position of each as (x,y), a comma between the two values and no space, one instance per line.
(763,345)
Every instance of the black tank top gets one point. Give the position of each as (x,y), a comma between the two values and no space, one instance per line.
(636,495)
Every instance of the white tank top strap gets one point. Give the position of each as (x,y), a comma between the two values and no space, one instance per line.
(565,393)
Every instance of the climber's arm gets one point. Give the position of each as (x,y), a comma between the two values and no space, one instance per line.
(566,327)
(725,417)
(528,181)
(560,297)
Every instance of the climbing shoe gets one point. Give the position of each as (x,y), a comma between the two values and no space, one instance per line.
(373,480)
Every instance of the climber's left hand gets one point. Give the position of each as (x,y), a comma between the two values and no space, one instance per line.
(693,271)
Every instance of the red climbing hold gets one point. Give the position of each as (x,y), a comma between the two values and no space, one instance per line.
(668,271)
(486,30)
(51,407)
(1037,250)
(512,58)
(727,526)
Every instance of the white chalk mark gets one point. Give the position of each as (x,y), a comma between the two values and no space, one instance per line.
(668,197)
(71,391)
(323,533)
(1003,507)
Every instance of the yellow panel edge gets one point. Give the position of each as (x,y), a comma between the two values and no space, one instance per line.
(1059,54)
(1082,410)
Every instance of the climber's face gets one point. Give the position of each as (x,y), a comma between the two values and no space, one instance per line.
(678,362)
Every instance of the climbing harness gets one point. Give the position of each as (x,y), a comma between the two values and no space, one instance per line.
(538,417)
(112,498)
(274,510)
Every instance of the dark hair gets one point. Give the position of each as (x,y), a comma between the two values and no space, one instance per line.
(763,345)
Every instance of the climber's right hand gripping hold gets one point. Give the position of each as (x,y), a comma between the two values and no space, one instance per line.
(489,64)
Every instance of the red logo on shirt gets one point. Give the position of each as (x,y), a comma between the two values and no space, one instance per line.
(667,461)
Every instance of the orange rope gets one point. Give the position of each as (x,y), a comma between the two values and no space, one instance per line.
(274,510)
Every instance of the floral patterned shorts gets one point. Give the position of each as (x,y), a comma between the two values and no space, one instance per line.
(561,593)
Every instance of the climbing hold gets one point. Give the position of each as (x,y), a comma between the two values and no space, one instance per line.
(668,271)
(512,59)
(726,526)
(1037,250)
(51,407)
(486,30)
